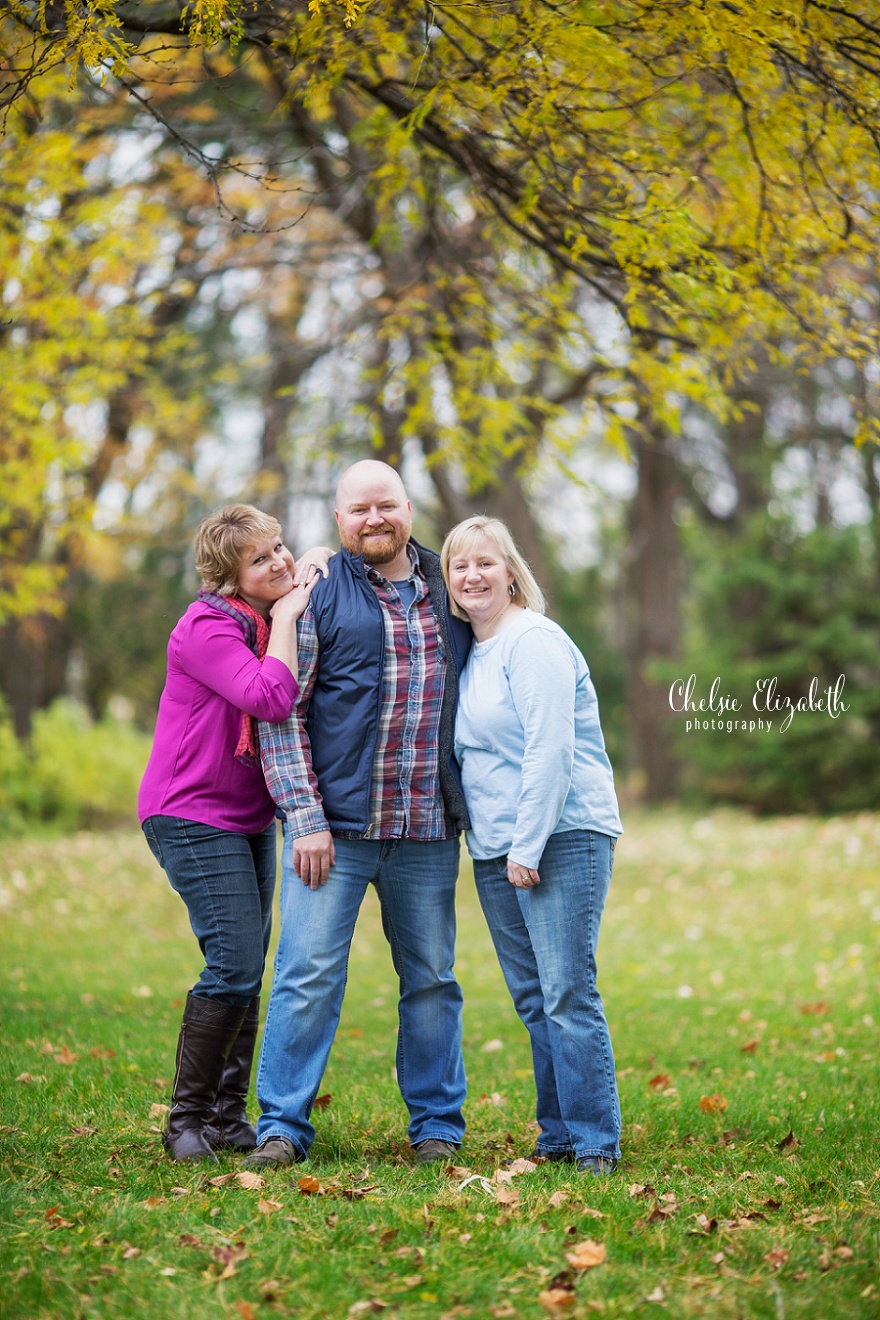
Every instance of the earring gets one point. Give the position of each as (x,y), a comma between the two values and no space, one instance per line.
(511,588)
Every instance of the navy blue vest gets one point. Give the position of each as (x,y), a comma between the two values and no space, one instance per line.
(343,716)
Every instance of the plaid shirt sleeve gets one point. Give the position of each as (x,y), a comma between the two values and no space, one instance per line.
(285,750)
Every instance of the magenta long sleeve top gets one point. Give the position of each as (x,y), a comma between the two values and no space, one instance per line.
(212,677)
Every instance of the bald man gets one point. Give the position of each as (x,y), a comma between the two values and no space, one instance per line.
(365,778)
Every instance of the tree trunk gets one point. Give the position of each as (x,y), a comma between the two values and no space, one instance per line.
(654,614)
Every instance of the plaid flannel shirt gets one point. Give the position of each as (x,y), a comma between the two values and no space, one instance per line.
(405,799)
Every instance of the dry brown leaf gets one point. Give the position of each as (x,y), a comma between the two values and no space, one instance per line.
(713,1104)
(523,1166)
(751,1046)
(777,1257)
(310,1185)
(586,1255)
(503,1176)
(268,1207)
(590,1213)
(66,1056)
(656,1296)
(130,1252)
(251,1182)
(221,1180)
(152,1202)
(322,1101)
(557,1301)
(788,1142)
(659,1082)
(368,1304)
(246,1311)
(157,1110)
(413,1280)
(508,1196)
(844,1253)
(641,1189)
(558,1199)
(86,1131)
(819,1008)
(503,1311)
(458,1171)
(28,1079)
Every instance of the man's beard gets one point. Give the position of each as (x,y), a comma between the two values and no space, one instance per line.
(378,550)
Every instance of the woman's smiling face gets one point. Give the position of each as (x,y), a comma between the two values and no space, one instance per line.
(265,574)
(479,580)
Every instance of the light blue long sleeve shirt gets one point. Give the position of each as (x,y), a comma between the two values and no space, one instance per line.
(529,742)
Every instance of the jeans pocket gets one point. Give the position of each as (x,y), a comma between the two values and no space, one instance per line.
(153,842)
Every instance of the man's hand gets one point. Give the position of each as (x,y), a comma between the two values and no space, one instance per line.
(313,855)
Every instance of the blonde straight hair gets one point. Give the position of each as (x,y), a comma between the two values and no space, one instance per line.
(526,591)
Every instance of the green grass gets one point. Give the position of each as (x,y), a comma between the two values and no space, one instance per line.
(738,961)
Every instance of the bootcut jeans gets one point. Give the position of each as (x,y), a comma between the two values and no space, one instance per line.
(227,882)
(546,939)
(415,882)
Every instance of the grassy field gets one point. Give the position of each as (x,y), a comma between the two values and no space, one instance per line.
(739,968)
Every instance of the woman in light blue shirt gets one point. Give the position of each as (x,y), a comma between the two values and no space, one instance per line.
(544,822)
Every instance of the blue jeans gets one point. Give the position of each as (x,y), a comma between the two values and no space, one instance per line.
(415,882)
(227,882)
(546,940)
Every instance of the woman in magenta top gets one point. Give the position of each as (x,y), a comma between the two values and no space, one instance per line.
(207,814)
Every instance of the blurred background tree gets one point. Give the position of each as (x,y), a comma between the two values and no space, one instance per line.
(606,271)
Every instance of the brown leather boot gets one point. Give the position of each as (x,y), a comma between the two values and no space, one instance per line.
(207,1034)
(228,1127)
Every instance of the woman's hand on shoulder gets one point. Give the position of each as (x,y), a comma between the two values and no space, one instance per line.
(289,608)
(318,557)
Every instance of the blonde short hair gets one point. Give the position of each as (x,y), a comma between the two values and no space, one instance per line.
(221,540)
(526,591)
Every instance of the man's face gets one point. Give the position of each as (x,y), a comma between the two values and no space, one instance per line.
(374,519)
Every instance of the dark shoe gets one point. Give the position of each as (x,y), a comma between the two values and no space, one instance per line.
(207,1032)
(274,1151)
(432,1149)
(227,1127)
(539,1156)
(597,1165)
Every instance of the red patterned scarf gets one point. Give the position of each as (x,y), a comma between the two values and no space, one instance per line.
(256,636)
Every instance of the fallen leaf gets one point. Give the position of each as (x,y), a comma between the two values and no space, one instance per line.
(503,1311)
(777,1257)
(102,1052)
(788,1142)
(268,1207)
(522,1166)
(228,1257)
(190,1240)
(705,1224)
(844,1253)
(310,1185)
(586,1255)
(492,1046)
(413,1280)
(153,1201)
(270,1290)
(246,1311)
(818,1008)
(750,1047)
(249,1181)
(506,1196)
(558,1199)
(641,1189)
(157,1110)
(713,1104)
(322,1101)
(591,1213)
(464,1238)
(66,1056)
(373,1304)
(180,1191)
(48,1047)
(659,1082)
(27,1079)
(656,1296)
(129,1252)
(86,1131)
(221,1180)
(556,1301)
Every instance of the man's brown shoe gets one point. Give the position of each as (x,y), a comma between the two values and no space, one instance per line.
(273,1152)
